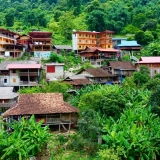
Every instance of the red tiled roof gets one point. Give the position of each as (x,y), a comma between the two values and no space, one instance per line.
(149,60)
(40,103)
(23,66)
(108,50)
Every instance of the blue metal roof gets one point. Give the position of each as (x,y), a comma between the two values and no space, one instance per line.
(129,44)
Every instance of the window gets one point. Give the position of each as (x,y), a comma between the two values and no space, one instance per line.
(80,35)
(79,40)
(109,46)
(5,80)
(79,46)
(13,71)
(86,35)
(155,71)
(14,80)
(50,69)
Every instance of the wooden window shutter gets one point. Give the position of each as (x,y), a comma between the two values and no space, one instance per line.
(50,69)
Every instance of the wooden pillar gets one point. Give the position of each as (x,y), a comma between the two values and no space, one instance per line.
(60,124)
(69,122)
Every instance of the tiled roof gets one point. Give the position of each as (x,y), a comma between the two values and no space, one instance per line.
(149,60)
(75,82)
(40,103)
(108,50)
(7,93)
(122,65)
(98,72)
(96,49)
(23,66)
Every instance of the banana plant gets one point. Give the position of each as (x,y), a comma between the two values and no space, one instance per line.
(135,135)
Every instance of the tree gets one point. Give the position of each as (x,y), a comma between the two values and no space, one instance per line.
(154,100)
(66,24)
(96,21)
(139,37)
(139,20)
(152,84)
(150,25)
(54,57)
(142,76)
(144,38)
(9,19)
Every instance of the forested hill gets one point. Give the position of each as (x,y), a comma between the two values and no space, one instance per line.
(62,16)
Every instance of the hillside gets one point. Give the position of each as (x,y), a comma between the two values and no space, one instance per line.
(62,16)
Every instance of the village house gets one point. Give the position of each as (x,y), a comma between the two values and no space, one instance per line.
(54,71)
(120,69)
(20,73)
(97,55)
(40,44)
(7,98)
(152,63)
(78,81)
(97,75)
(83,39)
(9,47)
(48,107)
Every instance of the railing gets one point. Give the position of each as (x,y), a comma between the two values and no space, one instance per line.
(53,120)
(7,105)
(7,36)
(28,83)
(29,73)
(134,58)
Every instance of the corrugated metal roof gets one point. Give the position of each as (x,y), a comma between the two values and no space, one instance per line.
(129,44)
(149,60)
(62,47)
(4,64)
(7,93)
(23,66)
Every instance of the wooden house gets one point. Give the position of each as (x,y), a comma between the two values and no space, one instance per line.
(129,46)
(7,98)
(20,73)
(48,107)
(97,75)
(8,44)
(152,63)
(120,69)
(97,55)
(40,44)
(78,81)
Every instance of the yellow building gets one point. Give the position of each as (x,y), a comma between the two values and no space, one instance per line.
(83,39)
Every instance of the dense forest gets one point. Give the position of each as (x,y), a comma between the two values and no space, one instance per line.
(62,16)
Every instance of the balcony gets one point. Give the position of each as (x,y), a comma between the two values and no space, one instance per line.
(2,35)
(28,83)
(28,73)
(7,105)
